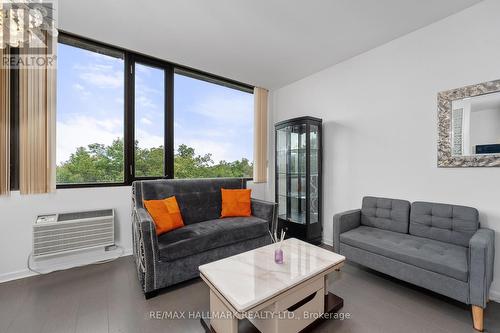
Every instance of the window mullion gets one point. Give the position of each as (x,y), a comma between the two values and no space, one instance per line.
(169,122)
(129,150)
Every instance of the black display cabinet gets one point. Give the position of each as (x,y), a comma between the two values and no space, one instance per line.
(298,187)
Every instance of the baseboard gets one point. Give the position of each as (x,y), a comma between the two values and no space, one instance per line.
(24,273)
(16,275)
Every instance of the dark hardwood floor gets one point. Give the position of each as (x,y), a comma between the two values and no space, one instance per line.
(107,298)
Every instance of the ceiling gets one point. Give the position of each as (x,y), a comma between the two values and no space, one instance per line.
(268,43)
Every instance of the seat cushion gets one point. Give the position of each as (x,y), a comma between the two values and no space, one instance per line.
(439,257)
(203,236)
(446,223)
(387,214)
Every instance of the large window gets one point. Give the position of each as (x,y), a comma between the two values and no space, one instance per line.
(90,121)
(119,118)
(213,129)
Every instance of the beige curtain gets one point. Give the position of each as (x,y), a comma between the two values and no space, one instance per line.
(260,135)
(37,108)
(4,125)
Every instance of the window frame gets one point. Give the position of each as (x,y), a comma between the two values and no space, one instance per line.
(170,69)
(168,137)
(94,46)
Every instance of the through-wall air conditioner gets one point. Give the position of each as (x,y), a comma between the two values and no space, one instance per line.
(70,232)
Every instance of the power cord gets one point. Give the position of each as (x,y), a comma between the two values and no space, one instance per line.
(30,257)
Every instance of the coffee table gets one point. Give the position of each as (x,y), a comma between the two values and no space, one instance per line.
(286,297)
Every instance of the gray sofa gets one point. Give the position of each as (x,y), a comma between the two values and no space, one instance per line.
(175,256)
(436,246)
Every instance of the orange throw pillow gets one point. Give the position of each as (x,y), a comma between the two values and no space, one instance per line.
(236,202)
(165,213)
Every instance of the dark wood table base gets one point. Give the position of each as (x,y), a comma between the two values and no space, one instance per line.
(333,303)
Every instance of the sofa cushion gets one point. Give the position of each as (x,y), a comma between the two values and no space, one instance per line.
(446,223)
(236,203)
(439,257)
(199,199)
(165,213)
(203,236)
(387,214)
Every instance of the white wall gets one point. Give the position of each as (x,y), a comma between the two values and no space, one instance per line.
(380,118)
(19,212)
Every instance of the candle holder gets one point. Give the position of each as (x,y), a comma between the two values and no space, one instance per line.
(278,252)
(278,256)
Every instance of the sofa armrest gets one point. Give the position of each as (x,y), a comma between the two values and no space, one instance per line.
(145,247)
(343,222)
(481,258)
(265,210)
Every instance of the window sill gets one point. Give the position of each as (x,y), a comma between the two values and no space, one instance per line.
(70,186)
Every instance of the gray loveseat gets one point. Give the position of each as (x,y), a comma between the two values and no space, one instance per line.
(174,257)
(436,246)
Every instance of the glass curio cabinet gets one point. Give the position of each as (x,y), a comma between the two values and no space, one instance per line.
(298,177)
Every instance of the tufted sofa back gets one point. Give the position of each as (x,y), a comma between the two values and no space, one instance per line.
(384,213)
(446,223)
(199,199)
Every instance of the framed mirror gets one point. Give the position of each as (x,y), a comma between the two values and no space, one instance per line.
(469,126)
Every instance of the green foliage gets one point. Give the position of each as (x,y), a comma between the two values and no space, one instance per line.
(148,162)
(189,165)
(98,163)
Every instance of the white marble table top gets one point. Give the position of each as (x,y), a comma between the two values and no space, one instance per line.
(252,277)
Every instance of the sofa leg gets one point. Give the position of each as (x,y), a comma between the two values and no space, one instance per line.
(151,294)
(478,317)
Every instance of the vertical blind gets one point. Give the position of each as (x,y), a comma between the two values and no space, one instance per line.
(260,136)
(37,106)
(4,126)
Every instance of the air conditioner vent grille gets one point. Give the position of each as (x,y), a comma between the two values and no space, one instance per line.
(71,247)
(87,230)
(71,231)
(46,236)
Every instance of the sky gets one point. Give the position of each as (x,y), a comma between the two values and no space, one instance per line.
(208,117)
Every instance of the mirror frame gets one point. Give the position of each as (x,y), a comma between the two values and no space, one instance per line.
(445,99)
